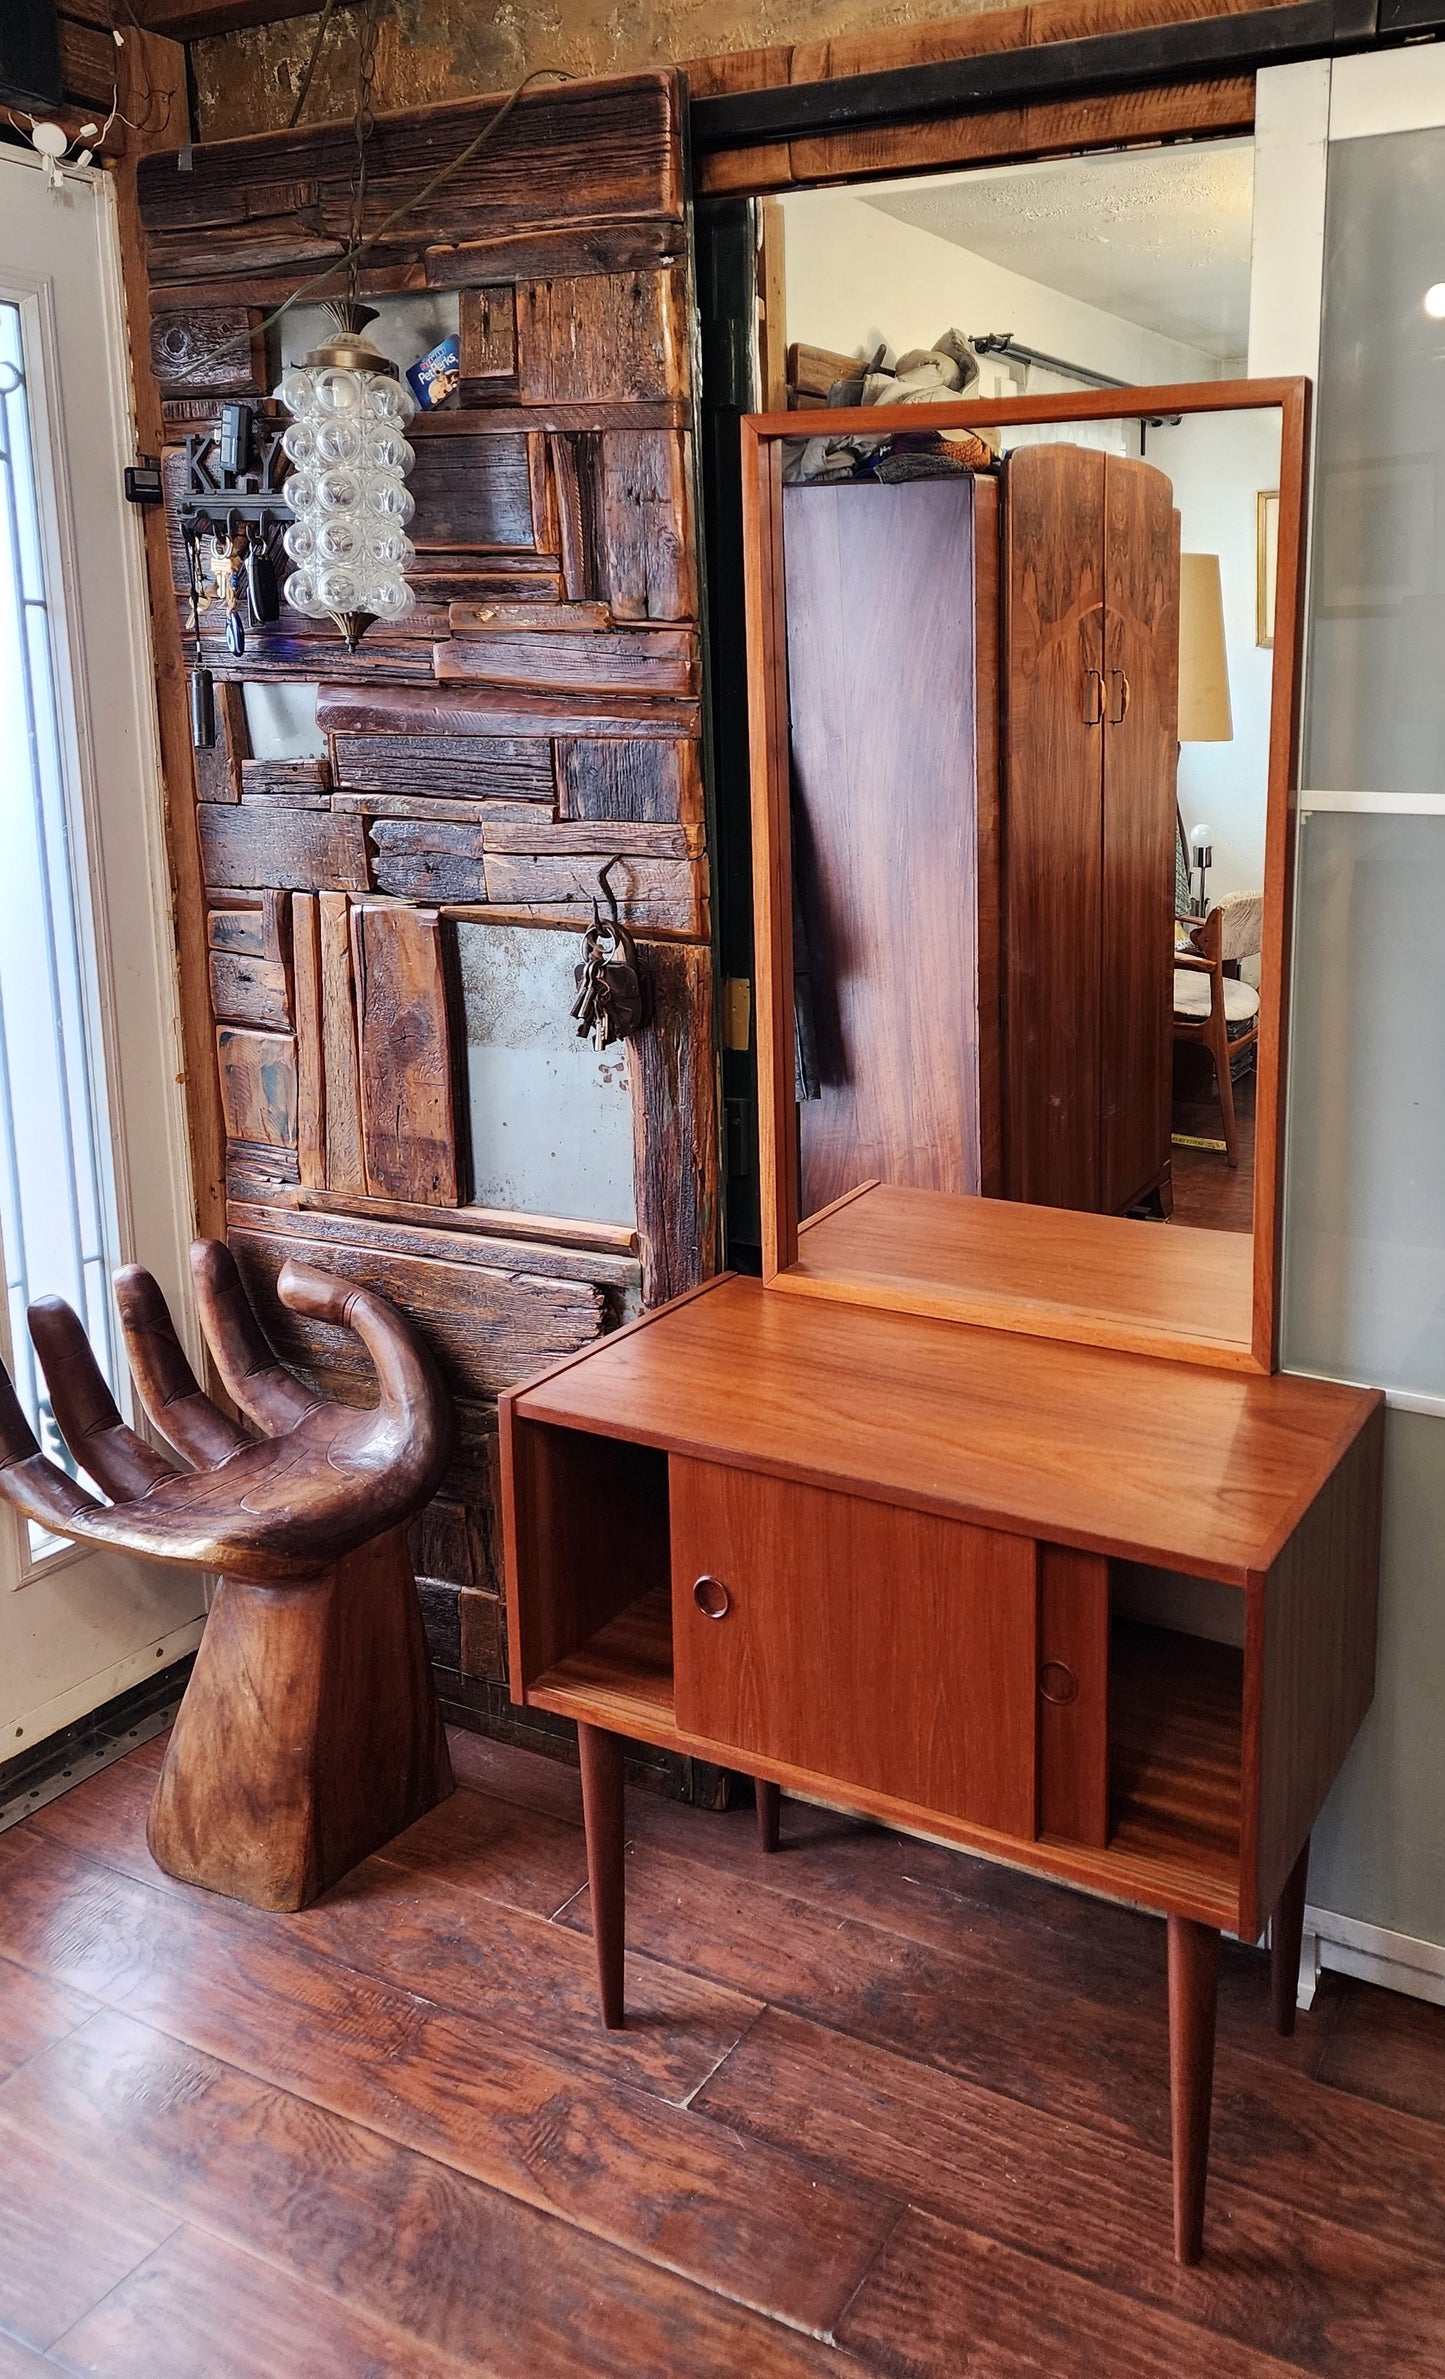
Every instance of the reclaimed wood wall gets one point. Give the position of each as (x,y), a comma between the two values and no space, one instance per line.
(535,716)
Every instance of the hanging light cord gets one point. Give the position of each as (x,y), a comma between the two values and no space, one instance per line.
(327,13)
(357,247)
(363,123)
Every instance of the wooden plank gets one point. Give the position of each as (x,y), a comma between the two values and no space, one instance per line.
(1315,1679)
(486,1326)
(345,1168)
(246,990)
(487,320)
(163,2322)
(47,2193)
(604,337)
(594,840)
(242,930)
(549,618)
(601,1253)
(219,352)
(474,767)
(261,843)
(1096,2207)
(649,891)
(406,1062)
(673,1080)
(219,765)
(497,711)
(646,781)
(90,64)
(258,1086)
(472,493)
(427,859)
(310,1049)
(635,244)
(284,777)
(575,459)
(640,661)
(647,545)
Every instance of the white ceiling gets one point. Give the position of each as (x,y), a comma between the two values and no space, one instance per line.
(1158,236)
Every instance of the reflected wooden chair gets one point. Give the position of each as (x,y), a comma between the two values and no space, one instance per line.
(1215,1009)
(310,1731)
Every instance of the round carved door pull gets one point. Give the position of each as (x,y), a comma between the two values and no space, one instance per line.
(712,1597)
(1057,1682)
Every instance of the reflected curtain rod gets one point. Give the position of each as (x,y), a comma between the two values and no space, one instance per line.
(1004,343)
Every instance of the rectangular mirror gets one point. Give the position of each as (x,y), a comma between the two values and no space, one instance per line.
(1022,700)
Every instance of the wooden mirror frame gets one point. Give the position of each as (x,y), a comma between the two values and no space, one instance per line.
(1162,1306)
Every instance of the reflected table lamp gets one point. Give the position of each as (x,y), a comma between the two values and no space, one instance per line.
(1204,712)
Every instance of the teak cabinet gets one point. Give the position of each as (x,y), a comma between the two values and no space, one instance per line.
(925,1570)
(983,703)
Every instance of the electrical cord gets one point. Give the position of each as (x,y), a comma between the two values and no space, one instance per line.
(355,249)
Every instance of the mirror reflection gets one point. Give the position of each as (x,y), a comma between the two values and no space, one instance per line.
(1029,686)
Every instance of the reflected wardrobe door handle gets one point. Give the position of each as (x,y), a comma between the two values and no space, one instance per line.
(1117,717)
(712,1597)
(1093,698)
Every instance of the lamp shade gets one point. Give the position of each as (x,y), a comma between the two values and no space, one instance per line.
(1204,712)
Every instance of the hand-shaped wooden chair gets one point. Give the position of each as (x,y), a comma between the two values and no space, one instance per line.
(310,1732)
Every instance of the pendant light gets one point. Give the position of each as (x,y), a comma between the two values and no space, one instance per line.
(347,486)
(346,442)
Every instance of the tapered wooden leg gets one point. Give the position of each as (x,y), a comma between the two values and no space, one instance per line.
(769,1808)
(601,1755)
(1285,1933)
(1193,1988)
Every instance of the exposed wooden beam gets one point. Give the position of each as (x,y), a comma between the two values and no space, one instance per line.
(193,20)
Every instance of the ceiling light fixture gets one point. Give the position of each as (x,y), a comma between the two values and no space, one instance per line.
(346,442)
(1435,301)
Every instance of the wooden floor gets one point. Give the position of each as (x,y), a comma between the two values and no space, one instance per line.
(1209,1193)
(879,2108)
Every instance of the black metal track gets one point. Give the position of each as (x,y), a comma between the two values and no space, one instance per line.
(1061,70)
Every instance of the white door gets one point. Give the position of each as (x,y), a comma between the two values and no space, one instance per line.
(1349,287)
(93,1155)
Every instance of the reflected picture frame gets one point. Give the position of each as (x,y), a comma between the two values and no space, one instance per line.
(1266,564)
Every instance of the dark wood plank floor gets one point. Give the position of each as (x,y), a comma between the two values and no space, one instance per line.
(879,2108)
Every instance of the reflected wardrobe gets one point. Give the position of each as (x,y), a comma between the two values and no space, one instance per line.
(983,697)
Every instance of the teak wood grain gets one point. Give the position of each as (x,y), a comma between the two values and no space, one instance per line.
(1097,1280)
(834,1607)
(879,589)
(1204,1471)
(1212,1334)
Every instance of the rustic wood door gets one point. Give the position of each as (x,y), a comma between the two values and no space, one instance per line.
(536,716)
(1141,719)
(1053,687)
(795,1608)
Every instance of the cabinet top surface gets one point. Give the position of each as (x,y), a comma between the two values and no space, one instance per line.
(1200,1470)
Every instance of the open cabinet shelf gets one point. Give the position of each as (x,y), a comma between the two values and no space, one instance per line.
(1175,1724)
(625,1667)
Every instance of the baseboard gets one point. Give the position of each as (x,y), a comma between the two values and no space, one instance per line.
(1396,1961)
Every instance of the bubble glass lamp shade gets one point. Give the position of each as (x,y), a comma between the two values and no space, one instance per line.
(347,489)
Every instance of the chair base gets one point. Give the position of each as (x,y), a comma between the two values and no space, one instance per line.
(310,1733)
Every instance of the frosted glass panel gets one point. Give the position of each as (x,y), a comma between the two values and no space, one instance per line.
(551,1121)
(1365,1237)
(1375,690)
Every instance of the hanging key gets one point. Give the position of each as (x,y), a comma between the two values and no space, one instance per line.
(235,592)
(263,596)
